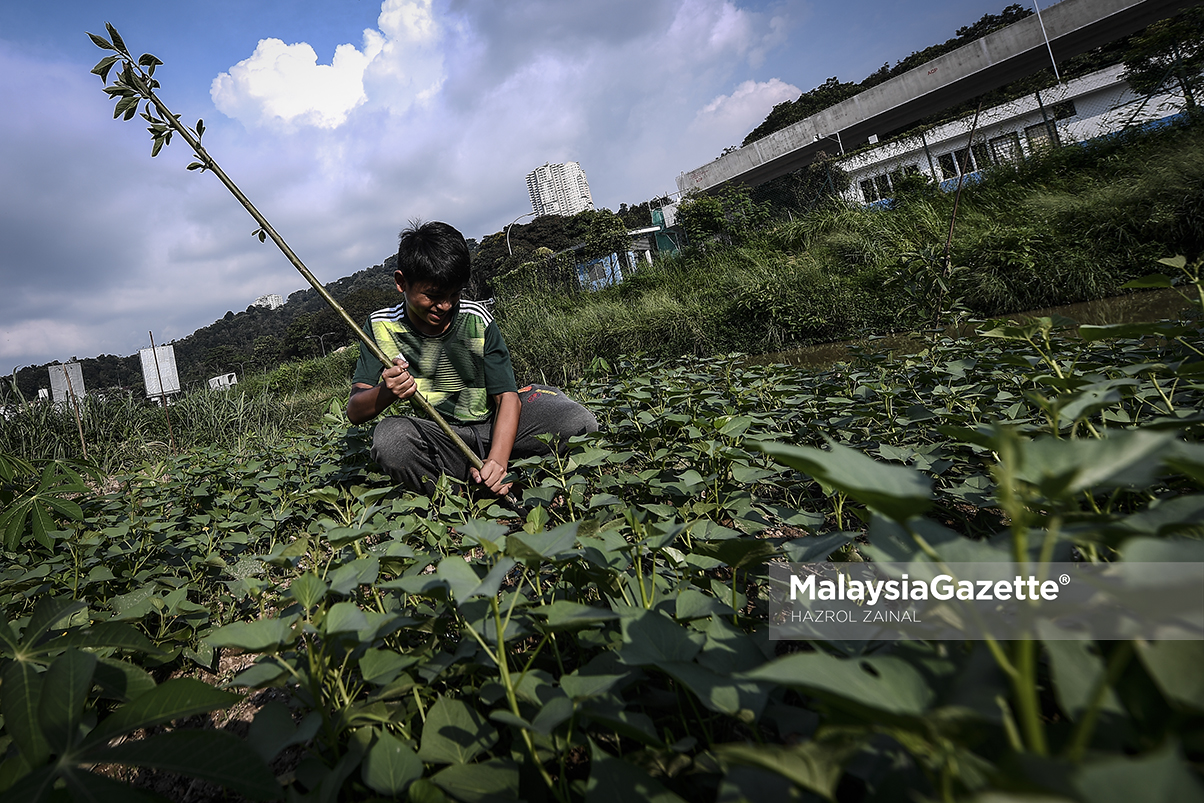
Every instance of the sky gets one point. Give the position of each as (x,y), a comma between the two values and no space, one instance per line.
(342,120)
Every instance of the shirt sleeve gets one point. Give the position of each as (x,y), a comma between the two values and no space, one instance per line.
(499,373)
(367,367)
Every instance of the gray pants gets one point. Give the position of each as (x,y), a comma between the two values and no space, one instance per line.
(414,451)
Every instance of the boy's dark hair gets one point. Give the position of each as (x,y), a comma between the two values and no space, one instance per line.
(433,252)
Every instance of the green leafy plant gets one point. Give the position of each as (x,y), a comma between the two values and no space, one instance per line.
(68,709)
(39,499)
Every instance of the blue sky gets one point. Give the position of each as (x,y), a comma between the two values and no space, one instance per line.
(343,119)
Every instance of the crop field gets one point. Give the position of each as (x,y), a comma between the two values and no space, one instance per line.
(315,634)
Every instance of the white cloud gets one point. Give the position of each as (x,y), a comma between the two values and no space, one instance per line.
(743,110)
(285,83)
(409,66)
(279,83)
(709,26)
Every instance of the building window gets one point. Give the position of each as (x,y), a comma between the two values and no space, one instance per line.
(962,158)
(869,191)
(1041,137)
(1063,110)
(948,166)
(882,186)
(956,163)
(899,176)
(1006,148)
(982,155)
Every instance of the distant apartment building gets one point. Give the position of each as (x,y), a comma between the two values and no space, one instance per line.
(271,301)
(559,189)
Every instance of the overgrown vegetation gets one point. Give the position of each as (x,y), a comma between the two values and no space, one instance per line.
(1071,226)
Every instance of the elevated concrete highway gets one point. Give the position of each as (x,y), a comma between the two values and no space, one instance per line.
(1072,26)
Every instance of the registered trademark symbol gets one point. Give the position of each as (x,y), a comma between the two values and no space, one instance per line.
(1064,579)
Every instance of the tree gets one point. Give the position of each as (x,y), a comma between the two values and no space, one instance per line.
(266,351)
(731,215)
(606,234)
(700,217)
(297,340)
(1168,56)
(221,359)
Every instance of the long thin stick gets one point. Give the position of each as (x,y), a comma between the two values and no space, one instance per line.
(162,393)
(75,403)
(134,84)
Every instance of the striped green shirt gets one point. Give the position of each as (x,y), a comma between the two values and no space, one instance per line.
(457,371)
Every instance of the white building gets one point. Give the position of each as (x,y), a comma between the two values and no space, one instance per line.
(271,301)
(1078,110)
(559,189)
(223,382)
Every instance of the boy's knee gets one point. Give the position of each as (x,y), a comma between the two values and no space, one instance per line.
(581,422)
(395,442)
(574,420)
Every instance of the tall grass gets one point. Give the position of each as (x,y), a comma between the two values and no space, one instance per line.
(1073,225)
(122,430)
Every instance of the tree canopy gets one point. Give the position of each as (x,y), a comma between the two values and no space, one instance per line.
(1169,56)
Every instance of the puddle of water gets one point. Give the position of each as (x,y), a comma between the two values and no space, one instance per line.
(1155,305)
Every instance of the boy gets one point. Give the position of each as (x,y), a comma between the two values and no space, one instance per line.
(452,352)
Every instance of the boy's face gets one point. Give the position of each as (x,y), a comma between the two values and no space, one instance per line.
(429,306)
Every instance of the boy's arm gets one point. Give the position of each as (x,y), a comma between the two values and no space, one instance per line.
(369,401)
(505,429)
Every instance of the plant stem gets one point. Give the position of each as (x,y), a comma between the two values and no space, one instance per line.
(1086,726)
(503,665)
(1009,724)
(1024,688)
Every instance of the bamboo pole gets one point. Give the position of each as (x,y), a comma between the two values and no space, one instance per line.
(162,394)
(75,405)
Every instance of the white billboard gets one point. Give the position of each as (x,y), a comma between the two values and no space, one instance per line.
(60,375)
(166,358)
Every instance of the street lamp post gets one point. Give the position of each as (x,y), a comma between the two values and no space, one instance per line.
(321,339)
(508,225)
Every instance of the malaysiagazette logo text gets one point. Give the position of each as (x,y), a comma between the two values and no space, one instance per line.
(941,587)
